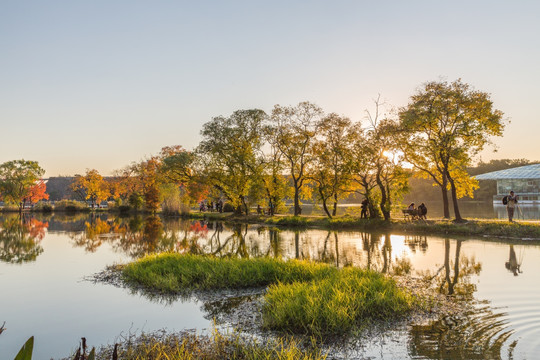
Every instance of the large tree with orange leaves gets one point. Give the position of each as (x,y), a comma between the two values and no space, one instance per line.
(36,193)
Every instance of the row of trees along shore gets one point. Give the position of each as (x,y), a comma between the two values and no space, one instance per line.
(299,152)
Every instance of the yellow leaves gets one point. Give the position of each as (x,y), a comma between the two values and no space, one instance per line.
(93,184)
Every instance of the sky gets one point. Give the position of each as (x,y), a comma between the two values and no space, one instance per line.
(99,84)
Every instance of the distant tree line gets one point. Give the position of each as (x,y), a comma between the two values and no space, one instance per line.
(301,153)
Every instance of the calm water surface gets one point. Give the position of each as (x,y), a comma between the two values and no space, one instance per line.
(44,262)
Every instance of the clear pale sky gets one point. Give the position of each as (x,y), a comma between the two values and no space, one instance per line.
(98,84)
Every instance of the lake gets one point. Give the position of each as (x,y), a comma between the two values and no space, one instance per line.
(45,262)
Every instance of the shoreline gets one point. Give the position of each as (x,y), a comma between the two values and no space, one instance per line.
(485,228)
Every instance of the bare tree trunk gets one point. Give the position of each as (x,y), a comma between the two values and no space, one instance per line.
(446,209)
(334,211)
(245,205)
(297,209)
(457,214)
(325,207)
(384,200)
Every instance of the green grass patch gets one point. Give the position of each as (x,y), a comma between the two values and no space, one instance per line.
(346,300)
(172,272)
(303,297)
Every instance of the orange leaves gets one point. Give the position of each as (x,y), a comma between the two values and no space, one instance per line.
(37,192)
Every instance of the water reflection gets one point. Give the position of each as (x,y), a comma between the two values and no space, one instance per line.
(453,277)
(477,334)
(417,243)
(449,265)
(512,264)
(20,238)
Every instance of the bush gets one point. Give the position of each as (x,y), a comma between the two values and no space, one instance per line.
(42,206)
(70,206)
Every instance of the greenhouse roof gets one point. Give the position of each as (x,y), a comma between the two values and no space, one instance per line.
(522,172)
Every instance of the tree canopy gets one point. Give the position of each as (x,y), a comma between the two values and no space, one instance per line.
(445,126)
(18,179)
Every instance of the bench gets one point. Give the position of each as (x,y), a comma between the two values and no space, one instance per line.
(410,214)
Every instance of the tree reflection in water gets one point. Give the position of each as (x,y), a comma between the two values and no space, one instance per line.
(20,238)
(477,332)
(463,268)
(97,230)
(513,265)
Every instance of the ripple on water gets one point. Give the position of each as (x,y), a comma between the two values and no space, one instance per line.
(477,334)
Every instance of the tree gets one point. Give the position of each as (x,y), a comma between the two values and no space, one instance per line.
(178,169)
(293,130)
(17,178)
(228,152)
(93,185)
(177,164)
(276,186)
(362,169)
(390,176)
(147,173)
(37,192)
(446,126)
(331,170)
(377,164)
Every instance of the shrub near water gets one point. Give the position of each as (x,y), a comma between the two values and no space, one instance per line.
(173,272)
(343,301)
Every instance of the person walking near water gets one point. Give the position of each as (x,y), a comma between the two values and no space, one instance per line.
(511,202)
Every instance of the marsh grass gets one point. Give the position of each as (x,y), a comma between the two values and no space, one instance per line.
(346,300)
(303,297)
(187,346)
(172,272)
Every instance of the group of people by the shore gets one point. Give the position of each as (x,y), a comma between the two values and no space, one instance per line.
(419,212)
(211,206)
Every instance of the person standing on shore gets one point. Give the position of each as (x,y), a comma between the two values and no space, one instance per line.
(363,214)
(511,202)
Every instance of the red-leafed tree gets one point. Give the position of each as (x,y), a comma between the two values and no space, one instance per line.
(36,192)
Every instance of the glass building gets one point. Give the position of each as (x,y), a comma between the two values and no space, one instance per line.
(523,180)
